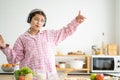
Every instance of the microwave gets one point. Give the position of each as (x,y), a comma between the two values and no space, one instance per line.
(105,63)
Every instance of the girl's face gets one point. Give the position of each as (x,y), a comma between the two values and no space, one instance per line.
(37,22)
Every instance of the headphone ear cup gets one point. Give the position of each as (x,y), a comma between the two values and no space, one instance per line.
(44,24)
(28,20)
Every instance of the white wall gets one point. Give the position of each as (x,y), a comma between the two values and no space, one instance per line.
(100,17)
(117,28)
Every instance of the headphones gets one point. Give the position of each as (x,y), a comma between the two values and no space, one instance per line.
(33,13)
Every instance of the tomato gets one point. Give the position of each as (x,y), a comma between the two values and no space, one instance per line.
(100,77)
(21,77)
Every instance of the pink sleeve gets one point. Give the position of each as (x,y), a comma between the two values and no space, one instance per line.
(16,54)
(60,35)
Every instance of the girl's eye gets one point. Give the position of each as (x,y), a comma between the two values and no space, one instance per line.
(41,20)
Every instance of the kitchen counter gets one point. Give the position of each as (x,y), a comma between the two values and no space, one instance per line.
(114,74)
(5,73)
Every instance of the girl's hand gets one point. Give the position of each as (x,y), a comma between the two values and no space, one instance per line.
(2,43)
(80,18)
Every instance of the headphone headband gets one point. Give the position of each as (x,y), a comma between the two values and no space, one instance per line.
(35,10)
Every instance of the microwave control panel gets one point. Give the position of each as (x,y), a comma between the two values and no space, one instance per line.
(117,62)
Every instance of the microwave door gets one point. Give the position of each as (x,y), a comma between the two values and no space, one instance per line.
(103,64)
(97,64)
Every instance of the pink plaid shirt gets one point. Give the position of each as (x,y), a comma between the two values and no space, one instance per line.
(38,52)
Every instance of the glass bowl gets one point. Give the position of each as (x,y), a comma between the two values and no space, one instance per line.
(7,68)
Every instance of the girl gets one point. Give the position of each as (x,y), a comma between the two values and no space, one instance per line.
(36,47)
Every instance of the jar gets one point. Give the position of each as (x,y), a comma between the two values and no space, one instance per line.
(62,64)
(99,51)
(16,67)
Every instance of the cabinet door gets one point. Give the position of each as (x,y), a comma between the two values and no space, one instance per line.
(6,77)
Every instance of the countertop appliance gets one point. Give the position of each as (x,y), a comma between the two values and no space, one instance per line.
(105,63)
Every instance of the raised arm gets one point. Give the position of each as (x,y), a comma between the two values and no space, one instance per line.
(69,29)
(13,55)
